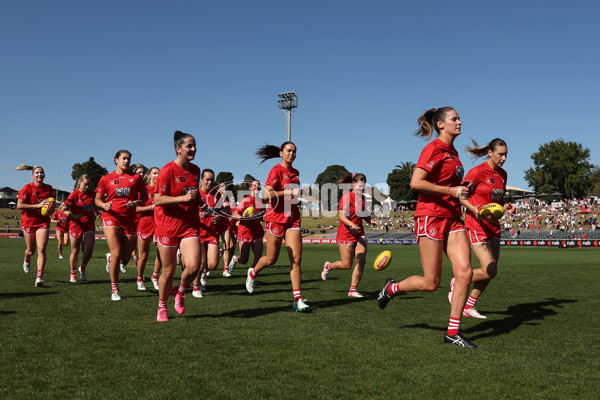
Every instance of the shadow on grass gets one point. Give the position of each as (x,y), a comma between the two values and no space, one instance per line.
(515,316)
(18,295)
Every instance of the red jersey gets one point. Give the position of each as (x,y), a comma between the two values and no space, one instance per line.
(173,181)
(283,209)
(34,194)
(215,220)
(251,227)
(120,189)
(82,203)
(149,202)
(355,209)
(490,187)
(445,169)
(62,221)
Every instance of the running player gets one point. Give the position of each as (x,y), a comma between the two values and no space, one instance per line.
(35,226)
(438,227)
(282,219)
(350,238)
(229,235)
(176,222)
(250,232)
(81,210)
(145,228)
(118,194)
(62,228)
(489,183)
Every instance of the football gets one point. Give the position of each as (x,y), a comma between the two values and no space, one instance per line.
(383,260)
(491,212)
(49,209)
(248,212)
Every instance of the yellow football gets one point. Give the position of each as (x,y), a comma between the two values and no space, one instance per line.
(49,209)
(383,260)
(491,212)
(248,212)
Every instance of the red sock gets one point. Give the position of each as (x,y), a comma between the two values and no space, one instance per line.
(154,275)
(114,286)
(352,289)
(181,290)
(470,302)
(252,274)
(453,326)
(140,279)
(393,289)
(162,303)
(40,273)
(297,295)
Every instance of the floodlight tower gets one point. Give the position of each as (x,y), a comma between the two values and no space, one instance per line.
(288,102)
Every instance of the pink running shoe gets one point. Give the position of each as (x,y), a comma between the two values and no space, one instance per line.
(355,294)
(325,271)
(180,304)
(162,316)
(472,312)
(451,290)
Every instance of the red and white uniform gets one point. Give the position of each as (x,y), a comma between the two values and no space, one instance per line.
(250,230)
(172,224)
(436,215)
(282,213)
(62,221)
(355,209)
(490,187)
(120,189)
(32,219)
(145,219)
(214,221)
(81,203)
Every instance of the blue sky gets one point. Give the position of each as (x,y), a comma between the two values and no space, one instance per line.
(83,79)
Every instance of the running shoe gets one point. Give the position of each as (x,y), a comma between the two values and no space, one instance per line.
(472,312)
(114,296)
(197,293)
(355,294)
(178,257)
(204,278)
(221,251)
(107,263)
(301,306)
(73,278)
(384,297)
(82,274)
(180,303)
(155,283)
(140,285)
(459,340)
(161,315)
(39,282)
(26,267)
(451,290)
(124,268)
(60,257)
(325,271)
(232,263)
(226,273)
(249,282)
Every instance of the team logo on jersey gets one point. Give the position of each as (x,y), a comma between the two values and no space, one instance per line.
(431,163)
(180,179)
(163,188)
(275,230)
(37,193)
(164,240)
(108,223)
(116,182)
(492,180)
(131,181)
(433,231)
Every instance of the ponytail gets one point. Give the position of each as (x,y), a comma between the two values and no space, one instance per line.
(477,151)
(428,121)
(351,178)
(268,151)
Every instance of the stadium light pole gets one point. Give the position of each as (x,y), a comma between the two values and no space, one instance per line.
(288,102)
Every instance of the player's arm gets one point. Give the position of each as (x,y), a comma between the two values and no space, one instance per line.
(420,183)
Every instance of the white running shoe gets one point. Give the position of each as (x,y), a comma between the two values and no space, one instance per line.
(82,274)
(355,294)
(73,278)
(451,290)
(114,296)
(325,271)
(301,306)
(39,282)
(124,268)
(232,263)
(108,263)
(226,273)
(60,257)
(249,282)
(197,293)
(140,285)
(472,312)
(155,283)
(26,267)
(178,257)
(204,278)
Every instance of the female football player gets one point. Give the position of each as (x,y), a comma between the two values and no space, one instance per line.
(145,226)
(62,228)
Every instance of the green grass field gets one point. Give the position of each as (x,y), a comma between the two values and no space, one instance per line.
(71,341)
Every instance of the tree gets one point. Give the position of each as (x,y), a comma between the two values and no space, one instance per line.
(224,177)
(399,182)
(595,178)
(561,166)
(331,175)
(94,170)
